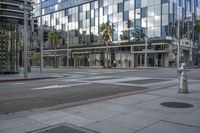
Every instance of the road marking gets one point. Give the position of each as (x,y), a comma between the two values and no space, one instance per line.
(59,86)
(123,79)
(19,83)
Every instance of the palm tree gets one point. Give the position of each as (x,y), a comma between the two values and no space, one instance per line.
(106,30)
(54,38)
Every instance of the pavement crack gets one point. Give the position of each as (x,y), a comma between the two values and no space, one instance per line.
(147,126)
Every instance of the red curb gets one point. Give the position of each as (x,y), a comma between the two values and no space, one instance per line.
(24,79)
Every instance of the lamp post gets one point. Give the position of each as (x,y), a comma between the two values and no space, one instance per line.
(68,45)
(178,37)
(25,37)
(145,55)
(27,8)
(41,40)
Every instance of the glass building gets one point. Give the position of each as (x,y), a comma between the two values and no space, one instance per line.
(79,21)
(11,25)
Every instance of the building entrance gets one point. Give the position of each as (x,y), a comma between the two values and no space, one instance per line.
(153,60)
(140,60)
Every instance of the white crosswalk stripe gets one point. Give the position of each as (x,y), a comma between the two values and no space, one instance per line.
(59,86)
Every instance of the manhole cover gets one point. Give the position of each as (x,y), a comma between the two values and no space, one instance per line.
(177,105)
(66,129)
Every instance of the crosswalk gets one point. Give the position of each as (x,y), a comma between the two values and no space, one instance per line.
(101,71)
(89,78)
(59,86)
(83,78)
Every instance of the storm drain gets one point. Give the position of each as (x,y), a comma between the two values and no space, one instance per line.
(177,105)
(66,129)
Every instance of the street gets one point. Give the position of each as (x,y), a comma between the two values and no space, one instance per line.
(76,85)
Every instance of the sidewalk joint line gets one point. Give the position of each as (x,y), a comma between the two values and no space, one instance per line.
(180,123)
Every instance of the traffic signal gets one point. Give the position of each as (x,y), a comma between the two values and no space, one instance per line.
(149,44)
(45,36)
(176,23)
(35,22)
(37,50)
(35,25)
(129,23)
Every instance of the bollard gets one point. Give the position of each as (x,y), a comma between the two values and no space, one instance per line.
(183,86)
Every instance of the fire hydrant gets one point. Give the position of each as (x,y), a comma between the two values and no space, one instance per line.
(183,86)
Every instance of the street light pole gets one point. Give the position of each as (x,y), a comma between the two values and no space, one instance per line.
(178,39)
(145,56)
(68,45)
(146,43)
(25,39)
(41,40)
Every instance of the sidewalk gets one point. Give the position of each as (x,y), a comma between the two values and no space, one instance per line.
(141,113)
(31,76)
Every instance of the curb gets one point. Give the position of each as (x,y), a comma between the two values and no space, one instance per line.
(100,99)
(25,79)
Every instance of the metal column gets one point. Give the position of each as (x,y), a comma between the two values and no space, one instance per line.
(25,39)
(41,40)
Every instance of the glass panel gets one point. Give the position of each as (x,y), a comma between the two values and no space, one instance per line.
(151,11)
(157,21)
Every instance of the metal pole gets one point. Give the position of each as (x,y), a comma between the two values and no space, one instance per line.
(188,37)
(178,39)
(188,26)
(25,39)
(68,45)
(145,56)
(41,40)
(106,54)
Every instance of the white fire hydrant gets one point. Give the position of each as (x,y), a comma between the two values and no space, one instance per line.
(183,86)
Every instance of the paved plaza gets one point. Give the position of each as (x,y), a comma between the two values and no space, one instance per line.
(102,101)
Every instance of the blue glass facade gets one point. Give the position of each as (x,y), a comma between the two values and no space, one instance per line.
(85,16)
(82,18)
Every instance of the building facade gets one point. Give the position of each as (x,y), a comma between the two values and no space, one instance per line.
(78,21)
(11,23)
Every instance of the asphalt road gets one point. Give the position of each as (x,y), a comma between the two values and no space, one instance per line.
(80,84)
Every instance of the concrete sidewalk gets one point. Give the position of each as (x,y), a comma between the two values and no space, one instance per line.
(141,113)
(31,76)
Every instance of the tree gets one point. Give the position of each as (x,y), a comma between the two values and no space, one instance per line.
(36,59)
(124,35)
(54,38)
(138,34)
(106,30)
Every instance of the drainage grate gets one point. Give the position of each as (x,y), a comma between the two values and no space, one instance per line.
(177,105)
(66,129)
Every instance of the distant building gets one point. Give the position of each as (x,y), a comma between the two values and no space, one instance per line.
(79,20)
(11,23)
